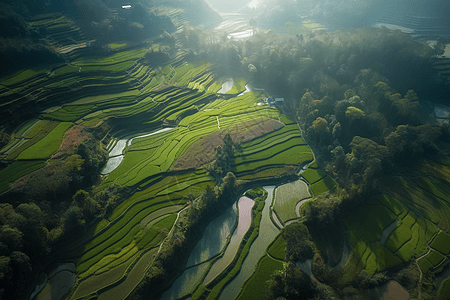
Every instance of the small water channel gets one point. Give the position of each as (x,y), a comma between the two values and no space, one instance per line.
(245,220)
(268,231)
(226,86)
(247,89)
(116,154)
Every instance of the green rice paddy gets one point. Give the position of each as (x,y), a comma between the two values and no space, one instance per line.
(286,198)
(48,145)
(255,286)
(121,86)
(277,249)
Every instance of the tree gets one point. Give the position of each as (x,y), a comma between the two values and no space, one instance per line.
(290,283)
(319,130)
(21,267)
(11,237)
(298,244)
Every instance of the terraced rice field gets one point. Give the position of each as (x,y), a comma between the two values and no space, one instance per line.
(286,198)
(421,207)
(254,287)
(277,249)
(320,182)
(121,87)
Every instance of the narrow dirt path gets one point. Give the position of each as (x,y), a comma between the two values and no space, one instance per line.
(420,270)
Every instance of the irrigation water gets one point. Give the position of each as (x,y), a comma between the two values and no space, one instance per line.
(226,86)
(245,219)
(268,232)
(116,154)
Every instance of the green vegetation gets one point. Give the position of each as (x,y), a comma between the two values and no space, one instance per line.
(220,281)
(254,193)
(442,243)
(18,169)
(277,249)
(444,290)
(286,198)
(117,46)
(313,175)
(238,87)
(48,145)
(360,127)
(254,287)
(323,185)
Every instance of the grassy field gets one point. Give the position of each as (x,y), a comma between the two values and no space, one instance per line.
(286,198)
(323,185)
(254,287)
(442,243)
(313,175)
(277,249)
(48,145)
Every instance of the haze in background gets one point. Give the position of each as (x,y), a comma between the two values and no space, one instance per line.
(426,17)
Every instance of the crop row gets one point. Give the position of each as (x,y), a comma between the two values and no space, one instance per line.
(287,141)
(255,286)
(289,138)
(23,145)
(442,243)
(48,145)
(286,198)
(271,138)
(277,248)
(313,175)
(107,275)
(291,156)
(364,227)
(119,235)
(121,112)
(203,83)
(158,186)
(20,168)
(411,195)
(323,185)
